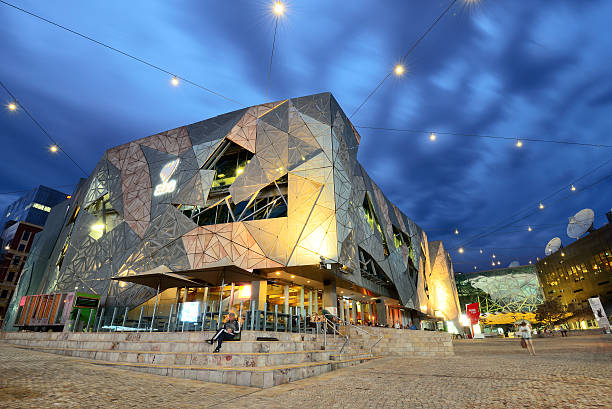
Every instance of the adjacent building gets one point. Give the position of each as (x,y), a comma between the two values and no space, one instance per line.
(267,205)
(505,295)
(21,221)
(578,271)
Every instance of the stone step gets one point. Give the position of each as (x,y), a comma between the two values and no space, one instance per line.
(207,359)
(171,346)
(260,377)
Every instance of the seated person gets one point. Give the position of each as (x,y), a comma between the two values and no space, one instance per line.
(231,328)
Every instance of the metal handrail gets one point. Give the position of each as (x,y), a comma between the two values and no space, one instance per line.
(349,325)
(329,322)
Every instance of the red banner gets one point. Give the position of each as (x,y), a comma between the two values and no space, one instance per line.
(473,312)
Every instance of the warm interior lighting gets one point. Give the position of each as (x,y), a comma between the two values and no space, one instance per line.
(97,227)
(399,69)
(292,276)
(307,281)
(278,8)
(562,254)
(244,292)
(174,81)
(277,273)
(461,250)
(7,247)
(432,136)
(541,205)
(53,148)
(519,143)
(12,106)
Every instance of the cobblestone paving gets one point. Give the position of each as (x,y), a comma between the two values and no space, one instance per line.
(574,372)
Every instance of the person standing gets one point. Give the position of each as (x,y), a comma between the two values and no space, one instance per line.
(231,328)
(525,333)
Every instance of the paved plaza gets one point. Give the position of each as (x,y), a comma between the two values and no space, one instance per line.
(573,372)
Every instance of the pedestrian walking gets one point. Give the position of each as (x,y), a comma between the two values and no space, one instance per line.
(229,331)
(525,333)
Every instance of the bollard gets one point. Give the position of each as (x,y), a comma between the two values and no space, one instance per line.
(140,317)
(124,318)
(113,318)
(100,320)
(89,320)
(204,314)
(170,317)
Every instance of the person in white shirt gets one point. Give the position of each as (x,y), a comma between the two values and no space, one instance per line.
(525,333)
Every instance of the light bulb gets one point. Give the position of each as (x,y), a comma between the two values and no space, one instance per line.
(573,188)
(541,205)
(461,250)
(529,228)
(432,136)
(399,69)
(278,8)
(53,148)
(493,256)
(12,106)
(480,251)
(456,231)
(498,262)
(174,81)
(519,143)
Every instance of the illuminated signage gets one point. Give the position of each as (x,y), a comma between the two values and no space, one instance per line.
(190,311)
(167,185)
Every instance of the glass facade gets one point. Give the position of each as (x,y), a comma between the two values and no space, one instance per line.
(33,207)
(505,295)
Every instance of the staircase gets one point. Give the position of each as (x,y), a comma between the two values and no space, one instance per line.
(249,362)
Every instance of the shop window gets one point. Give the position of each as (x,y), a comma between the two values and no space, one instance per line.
(270,203)
(372,220)
(107,217)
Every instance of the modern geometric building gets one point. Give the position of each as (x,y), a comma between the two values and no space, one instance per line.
(21,221)
(505,295)
(270,199)
(578,271)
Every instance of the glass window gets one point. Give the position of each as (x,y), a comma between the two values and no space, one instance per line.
(25,236)
(372,220)
(10,276)
(108,218)
(4,294)
(21,247)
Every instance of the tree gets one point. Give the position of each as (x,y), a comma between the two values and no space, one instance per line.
(550,312)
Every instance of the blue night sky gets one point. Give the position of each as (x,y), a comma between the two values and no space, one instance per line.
(530,69)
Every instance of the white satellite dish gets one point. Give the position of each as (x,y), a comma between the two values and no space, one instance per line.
(552,246)
(515,263)
(580,223)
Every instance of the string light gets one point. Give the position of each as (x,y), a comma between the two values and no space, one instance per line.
(399,70)
(53,148)
(461,250)
(456,231)
(175,81)
(529,228)
(432,136)
(529,261)
(519,143)
(475,268)
(498,262)
(573,188)
(12,106)
(493,263)
(493,256)
(541,205)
